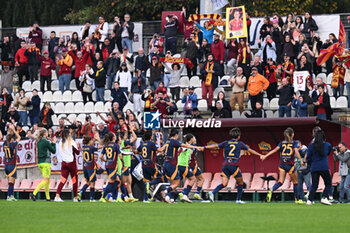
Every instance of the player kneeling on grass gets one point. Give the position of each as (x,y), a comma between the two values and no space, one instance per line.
(232,153)
(10,149)
(110,154)
(170,165)
(184,170)
(126,176)
(151,175)
(89,166)
(44,147)
(287,148)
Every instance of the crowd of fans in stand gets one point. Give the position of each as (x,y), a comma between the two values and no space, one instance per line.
(97,61)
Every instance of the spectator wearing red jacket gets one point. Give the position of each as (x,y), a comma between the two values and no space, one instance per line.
(21,63)
(80,59)
(218,50)
(46,65)
(88,46)
(188,26)
(36,35)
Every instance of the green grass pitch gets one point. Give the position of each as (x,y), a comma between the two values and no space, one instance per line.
(50,217)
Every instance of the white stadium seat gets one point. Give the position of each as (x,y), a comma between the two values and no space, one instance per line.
(99,107)
(266,103)
(71,117)
(77,96)
(47,97)
(61,115)
(108,106)
(54,84)
(72,85)
(69,107)
(79,107)
(323,76)
(107,95)
(57,96)
(54,119)
(342,102)
(269,114)
(81,117)
(27,86)
(274,104)
(128,105)
(195,81)
(180,105)
(329,78)
(177,55)
(36,85)
(40,94)
(330,90)
(28,94)
(236,114)
(184,82)
(198,91)
(89,107)
(67,96)
(333,102)
(59,108)
(276,115)
(202,105)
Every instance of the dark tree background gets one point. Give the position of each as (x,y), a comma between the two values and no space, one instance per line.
(16,13)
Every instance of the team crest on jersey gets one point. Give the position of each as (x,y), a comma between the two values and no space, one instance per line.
(151,120)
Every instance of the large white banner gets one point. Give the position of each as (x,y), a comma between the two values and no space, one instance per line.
(326,24)
(26,155)
(66,32)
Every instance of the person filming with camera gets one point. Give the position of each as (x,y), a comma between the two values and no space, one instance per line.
(342,154)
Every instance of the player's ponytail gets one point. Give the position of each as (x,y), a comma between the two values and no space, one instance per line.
(41,134)
(319,142)
(188,137)
(108,138)
(8,139)
(288,134)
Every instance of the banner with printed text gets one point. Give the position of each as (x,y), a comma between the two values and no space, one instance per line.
(25,154)
(236,24)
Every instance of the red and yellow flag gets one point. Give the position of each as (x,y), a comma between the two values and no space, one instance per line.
(335,49)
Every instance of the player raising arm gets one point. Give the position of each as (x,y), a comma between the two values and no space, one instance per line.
(287,148)
(170,164)
(10,149)
(111,151)
(232,153)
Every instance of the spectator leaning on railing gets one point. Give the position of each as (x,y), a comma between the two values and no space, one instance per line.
(342,154)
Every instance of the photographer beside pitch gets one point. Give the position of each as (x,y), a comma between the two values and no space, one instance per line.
(342,154)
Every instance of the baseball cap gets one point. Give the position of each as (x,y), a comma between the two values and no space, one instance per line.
(191,88)
(254,68)
(46,51)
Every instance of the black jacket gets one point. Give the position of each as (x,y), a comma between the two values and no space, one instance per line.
(52,44)
(309,24)
(191,49)
(119,29)
(31,57)
(48,117)
(286,95)
(5,51)
(155,72)
(217,71)
(326,104)
(100,80)
(112,65)
(222,113)
(142,63)
(170,29)
(257,113)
